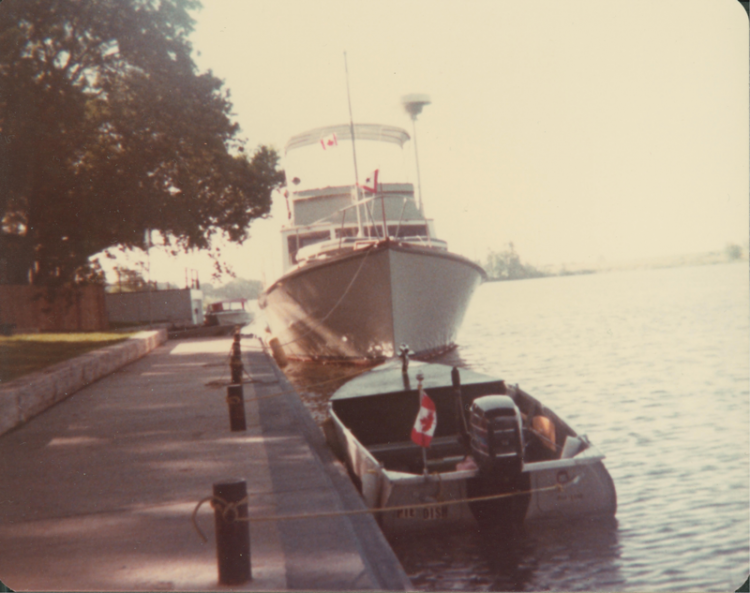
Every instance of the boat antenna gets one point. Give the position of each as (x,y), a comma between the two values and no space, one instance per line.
(413,105)
(463,428)
(420,378)
(354,147)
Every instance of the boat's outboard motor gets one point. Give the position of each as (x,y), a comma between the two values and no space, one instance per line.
(496,434)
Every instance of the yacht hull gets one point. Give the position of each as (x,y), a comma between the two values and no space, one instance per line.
(363,305)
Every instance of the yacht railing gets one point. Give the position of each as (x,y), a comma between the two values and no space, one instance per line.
(364,203)
(330,248)
(333,246)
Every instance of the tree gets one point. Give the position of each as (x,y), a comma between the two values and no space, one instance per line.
(733,251)
(234,289)
(108,131)
(129,280)
(506,265)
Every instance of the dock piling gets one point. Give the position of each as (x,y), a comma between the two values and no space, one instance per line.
(236,403)
(277,350)
(232,532)
(235,362)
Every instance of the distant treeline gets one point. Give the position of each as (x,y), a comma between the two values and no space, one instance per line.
(507,265)
(239,288)
(733,251)
(132,280)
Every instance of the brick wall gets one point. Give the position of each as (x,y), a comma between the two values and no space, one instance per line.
(78,309)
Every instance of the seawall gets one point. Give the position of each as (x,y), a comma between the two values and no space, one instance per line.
(27,396)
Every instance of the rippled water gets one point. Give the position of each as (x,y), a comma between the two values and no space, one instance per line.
(653,365)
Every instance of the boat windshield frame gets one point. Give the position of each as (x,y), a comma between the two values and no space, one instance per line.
(376,132)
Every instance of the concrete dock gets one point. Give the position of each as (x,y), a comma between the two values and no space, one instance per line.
(97,492)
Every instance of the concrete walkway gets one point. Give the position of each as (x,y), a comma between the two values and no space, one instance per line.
(97,492)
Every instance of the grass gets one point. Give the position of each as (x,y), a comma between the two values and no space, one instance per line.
(25,353)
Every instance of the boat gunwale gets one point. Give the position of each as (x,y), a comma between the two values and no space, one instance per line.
(543,474)
(328,248)
(469,377)
(528,468)
(585,457)
(383,245)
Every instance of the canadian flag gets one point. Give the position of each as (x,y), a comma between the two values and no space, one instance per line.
(329,141)
(374,180)
(424,426)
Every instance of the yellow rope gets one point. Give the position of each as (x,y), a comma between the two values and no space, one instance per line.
(230,509)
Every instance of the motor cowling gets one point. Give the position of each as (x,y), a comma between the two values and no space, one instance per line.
(496,434)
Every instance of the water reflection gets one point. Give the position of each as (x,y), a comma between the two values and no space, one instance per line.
(316,383)
(567,556)
(653,366)
(570,556)
(454,359)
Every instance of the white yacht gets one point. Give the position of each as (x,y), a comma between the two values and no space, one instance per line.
(364,273)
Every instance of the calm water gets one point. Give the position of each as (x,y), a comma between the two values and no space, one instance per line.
(654,367)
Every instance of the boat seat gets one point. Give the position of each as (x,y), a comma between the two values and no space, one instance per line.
(407,454)
(445,464)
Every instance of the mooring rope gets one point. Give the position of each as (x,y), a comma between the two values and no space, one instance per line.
(230,510)
(367,250)
(280,393)
(307,387)
(292,391)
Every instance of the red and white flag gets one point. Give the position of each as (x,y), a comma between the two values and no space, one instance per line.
(424,426)
(373,180)
(329,141)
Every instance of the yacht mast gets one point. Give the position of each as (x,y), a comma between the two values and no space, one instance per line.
(354,150)
(413,105)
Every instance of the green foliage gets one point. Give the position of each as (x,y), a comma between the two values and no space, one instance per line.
(107,130)
(506,265)
(129,280)
(236,289)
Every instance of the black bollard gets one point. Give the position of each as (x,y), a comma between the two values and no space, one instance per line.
(232,532)
(235,365)
(236,344)
(235,362)
(236,402)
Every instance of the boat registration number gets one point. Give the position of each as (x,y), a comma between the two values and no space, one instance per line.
(424,514)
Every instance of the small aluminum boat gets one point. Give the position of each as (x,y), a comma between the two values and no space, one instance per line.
(493,442)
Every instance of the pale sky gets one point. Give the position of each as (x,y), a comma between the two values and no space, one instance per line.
(582,130)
